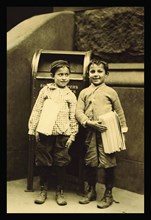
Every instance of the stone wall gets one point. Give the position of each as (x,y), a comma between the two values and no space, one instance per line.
(114,33)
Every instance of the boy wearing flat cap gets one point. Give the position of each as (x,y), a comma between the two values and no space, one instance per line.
(54,141)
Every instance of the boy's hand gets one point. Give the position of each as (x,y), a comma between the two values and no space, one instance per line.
(69,142)
(97,125)
(34,137)
(37,137)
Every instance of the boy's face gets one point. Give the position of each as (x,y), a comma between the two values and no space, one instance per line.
(62,77)
(97,74)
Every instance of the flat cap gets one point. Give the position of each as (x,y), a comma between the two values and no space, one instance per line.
(58,63)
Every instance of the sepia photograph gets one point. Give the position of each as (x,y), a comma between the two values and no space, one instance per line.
(75,110)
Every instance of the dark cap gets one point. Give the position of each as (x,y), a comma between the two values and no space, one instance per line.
(58,64)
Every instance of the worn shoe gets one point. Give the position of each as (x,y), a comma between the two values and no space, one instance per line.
(106,201)
(60,198)
(41,197)
(89,196)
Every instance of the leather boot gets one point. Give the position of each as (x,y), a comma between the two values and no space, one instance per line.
(106,201)
(60,196)
(90,195)
(42,196)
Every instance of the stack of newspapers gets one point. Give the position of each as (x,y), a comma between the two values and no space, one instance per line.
(112,138)
(48,117)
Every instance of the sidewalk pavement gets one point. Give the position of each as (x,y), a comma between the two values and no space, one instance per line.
(20,201)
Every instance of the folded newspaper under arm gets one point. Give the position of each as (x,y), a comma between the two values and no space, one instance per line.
(48,117)
(112,138)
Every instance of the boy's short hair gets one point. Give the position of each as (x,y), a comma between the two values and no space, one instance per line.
(98,61)
(58,64)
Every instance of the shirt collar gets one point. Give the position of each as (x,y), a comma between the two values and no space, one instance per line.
(53,86)
(95,87)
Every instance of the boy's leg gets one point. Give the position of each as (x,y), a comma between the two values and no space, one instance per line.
(43,160)
(91,163)
(43,174)
(90,178)
(107,199)
(60,178)
(107,162)
(61,160)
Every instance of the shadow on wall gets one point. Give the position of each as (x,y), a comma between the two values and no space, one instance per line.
(22,41)
(15,15)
